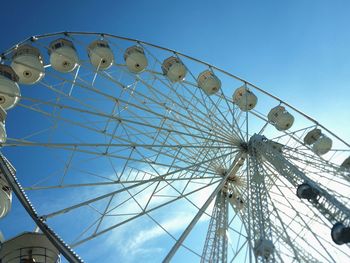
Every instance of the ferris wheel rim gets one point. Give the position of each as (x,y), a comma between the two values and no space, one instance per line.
(36,37)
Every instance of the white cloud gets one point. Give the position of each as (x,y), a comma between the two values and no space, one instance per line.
(172,225)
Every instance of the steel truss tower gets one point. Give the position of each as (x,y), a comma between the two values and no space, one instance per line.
(263,153)
(215,248)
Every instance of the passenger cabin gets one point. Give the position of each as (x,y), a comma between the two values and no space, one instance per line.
(244,99)
(209,82)
(280,118)
(100,55)
(63,55)
(320,143)
(28,64)
(9,89)
(174,69)
(135,59)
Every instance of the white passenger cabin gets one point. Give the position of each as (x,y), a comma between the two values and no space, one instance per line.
(135,59)
(209,82)
(174,69)
(100,55)
(9,89)
(63,55)
(321,144)
(280,118)
(28,64)
(244,99)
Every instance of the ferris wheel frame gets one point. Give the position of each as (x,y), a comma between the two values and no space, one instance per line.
(9,171)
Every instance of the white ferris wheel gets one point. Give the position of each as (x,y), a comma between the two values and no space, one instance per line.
(108,137)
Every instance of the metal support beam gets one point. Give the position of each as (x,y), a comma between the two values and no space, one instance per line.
(326,203)
(215,248)
(261,233)
(201,211)
(9,173)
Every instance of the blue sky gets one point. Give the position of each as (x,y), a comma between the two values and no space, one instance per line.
(297,50)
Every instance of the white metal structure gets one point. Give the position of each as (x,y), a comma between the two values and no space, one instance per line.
(142,157)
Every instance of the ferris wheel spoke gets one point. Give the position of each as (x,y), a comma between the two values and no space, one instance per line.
(86,230)
(172,236)
(202,155)
(191,150)
(287,207)
(230,107)
(193,95)
(179,192)
(161,129)
(238,250)
(34,188)
(240,245)
(283,234)
(287,179)
(319,166)
(295,132)
(140,214)
(214,115)
(159,177)
(208,98)
(80,147)
(300,254)
(144,208)
(69,97)
(300,220)
(320,239)
(85,86)
(121,157)
(169,169)
(67,120)
(194,221)
(20,142)
(287,201)
(159,92)
(187,102)
(104,115)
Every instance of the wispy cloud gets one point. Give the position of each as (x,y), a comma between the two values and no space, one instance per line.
(172,225)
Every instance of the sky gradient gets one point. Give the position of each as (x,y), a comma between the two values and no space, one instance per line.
(296,50)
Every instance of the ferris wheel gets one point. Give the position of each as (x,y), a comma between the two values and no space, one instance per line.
(121,148)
